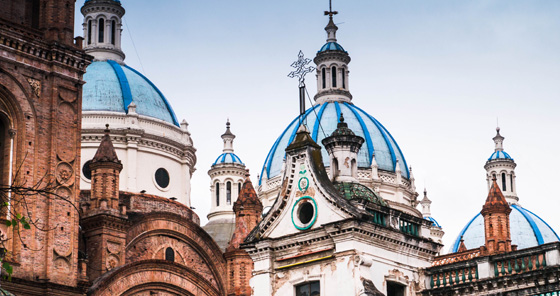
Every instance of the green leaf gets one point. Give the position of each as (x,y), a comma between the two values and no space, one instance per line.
(6,204)
(8,268)
(8,223)
(25,225)
(18,216)
(14,222)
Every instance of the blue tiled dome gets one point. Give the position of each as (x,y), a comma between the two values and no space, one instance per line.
(499,155)
(112,87)
(433,221)
(331,46)
(377,139)
(228,158)
(527,230)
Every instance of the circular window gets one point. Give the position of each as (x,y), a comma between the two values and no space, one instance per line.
(162,178)
(86,171)
(304,213)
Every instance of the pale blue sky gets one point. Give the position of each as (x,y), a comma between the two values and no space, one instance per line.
(437,74)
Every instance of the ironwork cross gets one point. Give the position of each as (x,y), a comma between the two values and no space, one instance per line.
(330,13)
(301,68)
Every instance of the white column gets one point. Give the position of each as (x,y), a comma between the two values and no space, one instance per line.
(132,159)
(95,32)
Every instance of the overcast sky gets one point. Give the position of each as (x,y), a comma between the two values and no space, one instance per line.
(436,74)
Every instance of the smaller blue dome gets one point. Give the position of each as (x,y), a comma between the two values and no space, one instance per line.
(331,46)
(500,155)
(433,221)
(228,158)
(527,230)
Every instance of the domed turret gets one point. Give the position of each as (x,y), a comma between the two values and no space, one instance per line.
(502,166)
(379,165)
(227,176)
(527,229)
(156,150)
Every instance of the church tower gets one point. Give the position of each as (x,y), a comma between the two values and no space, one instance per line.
(248,212)
(103,29)
(496,221)
(501,166)
(332,68)
(104,219)
(227,175)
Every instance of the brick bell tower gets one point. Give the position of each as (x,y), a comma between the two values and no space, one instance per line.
(496,222)
(104,220)
(248,212)
(41,71)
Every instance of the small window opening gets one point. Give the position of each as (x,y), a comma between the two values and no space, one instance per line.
(169,255)
(238,189)
(343,76)
(324,78)
(217,194)
(101,26)
(309,289)
(89,32)
(113,31)
(228,193)
(504,181)
(333,73)
(86,170)
(394,289)
(306,212)
(162,177)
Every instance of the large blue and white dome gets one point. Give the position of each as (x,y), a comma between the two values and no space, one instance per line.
(500,155)
(527,230)
(322,119)
(111,86)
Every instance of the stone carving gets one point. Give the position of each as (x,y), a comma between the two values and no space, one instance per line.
(35,86)
(65,174)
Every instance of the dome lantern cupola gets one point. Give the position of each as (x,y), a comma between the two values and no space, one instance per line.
(332,68)
(103,29)
(502,166)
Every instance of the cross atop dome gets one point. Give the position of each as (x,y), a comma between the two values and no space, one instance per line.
(331,28)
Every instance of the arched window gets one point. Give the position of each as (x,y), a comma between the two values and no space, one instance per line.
(89,32)
(324,77)
(217,194)
(343,76)
(169,255)
(228,193)
(504,181)
(238,189)
(333,73)
(511,182)
(113,31)
(101,27)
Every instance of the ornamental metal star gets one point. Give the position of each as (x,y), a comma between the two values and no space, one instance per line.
(301,69)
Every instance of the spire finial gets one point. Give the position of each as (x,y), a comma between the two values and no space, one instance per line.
(107,130)
(330,13)
(341,117)
(331,28)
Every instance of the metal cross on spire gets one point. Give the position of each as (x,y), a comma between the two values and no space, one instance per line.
(330,13)
(301,68)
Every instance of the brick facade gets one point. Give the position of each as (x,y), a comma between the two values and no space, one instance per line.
(248,212)
(40,109)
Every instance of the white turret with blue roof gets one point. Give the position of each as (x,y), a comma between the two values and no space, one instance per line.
(527,229)
(381,165)
(156,150)
(227,175)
